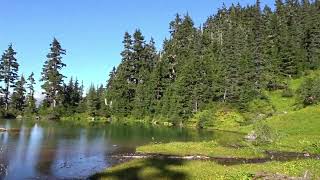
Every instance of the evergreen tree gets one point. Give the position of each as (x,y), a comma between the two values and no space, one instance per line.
(18,99)
(259,62)
(92,101)
(8,73)
(239,52)
(51,76)
(121,93)
(31,101)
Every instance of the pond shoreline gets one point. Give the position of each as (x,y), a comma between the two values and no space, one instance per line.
(228,161)
(56,150)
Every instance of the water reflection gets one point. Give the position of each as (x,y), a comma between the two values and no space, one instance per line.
(51,151)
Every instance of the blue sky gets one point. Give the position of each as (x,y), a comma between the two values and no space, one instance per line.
(90,30)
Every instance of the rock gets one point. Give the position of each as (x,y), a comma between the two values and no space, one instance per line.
(252,136)
(19,117)
(3,129)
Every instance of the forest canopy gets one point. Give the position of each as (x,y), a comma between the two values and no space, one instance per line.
(232,59)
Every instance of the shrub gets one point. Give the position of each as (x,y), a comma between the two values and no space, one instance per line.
(258,109)
(288,92)
(226,119)
(264,133)
(204,119)
(311,146)
(309,91)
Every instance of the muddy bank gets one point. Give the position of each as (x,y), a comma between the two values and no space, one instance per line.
(270,156)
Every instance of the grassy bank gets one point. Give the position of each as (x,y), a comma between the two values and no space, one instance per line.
(296,134)
(160,169)
(293,130)
(212,149)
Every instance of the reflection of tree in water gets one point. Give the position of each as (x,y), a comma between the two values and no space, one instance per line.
(66,153)
(4,162)
(47,154)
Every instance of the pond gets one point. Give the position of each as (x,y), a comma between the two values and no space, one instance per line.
(52,151)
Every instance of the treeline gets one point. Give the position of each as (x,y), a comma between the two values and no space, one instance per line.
(17,92)
(233,58)
(21,99)
(61,98)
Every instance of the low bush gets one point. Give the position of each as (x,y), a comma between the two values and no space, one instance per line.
(228,119)
(287,93)
(204,119)
(309,91)
(265,134)
(258,109)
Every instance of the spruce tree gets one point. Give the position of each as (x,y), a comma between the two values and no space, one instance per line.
(92,101)
(259,62)
(238,53)
(18,99)
(31,101)
(121,95)
(8,73)
(51,76)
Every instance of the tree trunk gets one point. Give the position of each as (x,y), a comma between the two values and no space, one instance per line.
(225,96)
(54,103)
(7,96)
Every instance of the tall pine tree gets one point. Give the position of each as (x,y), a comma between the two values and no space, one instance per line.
(51,76)
(8,73)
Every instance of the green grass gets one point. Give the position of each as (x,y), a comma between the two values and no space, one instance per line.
(281,104)
(212,149)
(161,169)
(304,121)
(295,131)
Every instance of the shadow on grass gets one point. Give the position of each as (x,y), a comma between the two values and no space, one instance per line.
(151,169)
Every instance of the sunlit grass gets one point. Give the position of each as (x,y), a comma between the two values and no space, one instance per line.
(157,169)
(212,149)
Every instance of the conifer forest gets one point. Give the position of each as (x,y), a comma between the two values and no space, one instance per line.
(249,74)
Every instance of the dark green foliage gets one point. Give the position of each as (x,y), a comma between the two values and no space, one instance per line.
(233,58)
(18,98)
(71,96)
(8,73)
(30,100)
(126,89)
(92,101)
(230,60)
(51,76)
(287,92)
(264,133)
(309,92)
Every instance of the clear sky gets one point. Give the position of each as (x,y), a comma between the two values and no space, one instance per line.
(90,30)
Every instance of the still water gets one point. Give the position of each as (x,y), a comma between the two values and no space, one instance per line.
(52,151)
